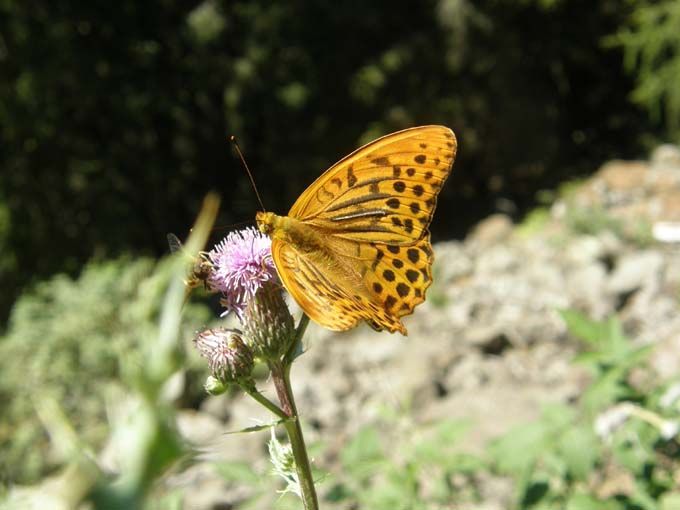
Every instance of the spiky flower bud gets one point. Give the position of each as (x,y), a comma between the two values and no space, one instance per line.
(268,326)
(229,358)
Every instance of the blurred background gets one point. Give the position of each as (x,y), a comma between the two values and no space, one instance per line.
(115,117)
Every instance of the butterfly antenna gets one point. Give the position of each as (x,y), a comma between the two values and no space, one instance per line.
(232,138)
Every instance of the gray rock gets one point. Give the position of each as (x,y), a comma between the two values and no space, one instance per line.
(635,270)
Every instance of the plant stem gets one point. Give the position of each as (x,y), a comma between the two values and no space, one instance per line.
(256,395)
(296,347)
(281,378)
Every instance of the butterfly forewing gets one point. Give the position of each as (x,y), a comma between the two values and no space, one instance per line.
(385,191)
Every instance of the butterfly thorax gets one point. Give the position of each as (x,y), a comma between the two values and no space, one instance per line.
(317,246)
(291,231)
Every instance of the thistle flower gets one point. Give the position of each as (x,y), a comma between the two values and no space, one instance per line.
(229,358)
(242,265)
(243,270)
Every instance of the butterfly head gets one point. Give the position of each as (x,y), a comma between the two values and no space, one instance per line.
(265,222)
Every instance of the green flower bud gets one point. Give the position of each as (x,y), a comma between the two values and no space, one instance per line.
(268,326)
(214,386)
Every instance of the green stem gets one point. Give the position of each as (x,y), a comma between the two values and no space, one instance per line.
(296,347)
(252,391)
(281,379)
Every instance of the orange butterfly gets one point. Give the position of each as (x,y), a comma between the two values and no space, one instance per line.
(355,244)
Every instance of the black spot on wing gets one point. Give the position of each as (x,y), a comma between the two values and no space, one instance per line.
(351,178)
(393,203)
(402,289)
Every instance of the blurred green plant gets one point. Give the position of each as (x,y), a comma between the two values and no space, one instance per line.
(533,222)
(651,43)
(408,470)
(389,467)
(616,449)
(92,358)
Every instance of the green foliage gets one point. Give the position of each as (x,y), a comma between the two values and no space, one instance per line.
(75,341)
(414,471)
(382,468)
(544,455)
(560,462)
(143,434)
(651,43)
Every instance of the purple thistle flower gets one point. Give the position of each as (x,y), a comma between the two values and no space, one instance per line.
(242,266)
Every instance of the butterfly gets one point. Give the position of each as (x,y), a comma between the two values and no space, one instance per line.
(355,246)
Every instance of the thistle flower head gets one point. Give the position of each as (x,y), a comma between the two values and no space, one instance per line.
(242,265)
(243,270)
(229,358)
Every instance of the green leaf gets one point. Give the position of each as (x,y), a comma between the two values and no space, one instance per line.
(437,447)
(605,338)
(583,501)
(579,449)
(364,456)
(257,428)
(605,391)
(518,450)
(628,451)
(582,327)
(339,492)
(670,501)
(641,496)
(556,416)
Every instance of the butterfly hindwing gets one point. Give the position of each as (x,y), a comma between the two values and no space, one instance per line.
(328,299)
(398,276)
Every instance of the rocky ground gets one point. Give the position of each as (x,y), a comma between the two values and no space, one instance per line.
(488,345)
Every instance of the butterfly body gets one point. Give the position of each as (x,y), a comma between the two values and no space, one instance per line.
(319,247)
(355,245)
